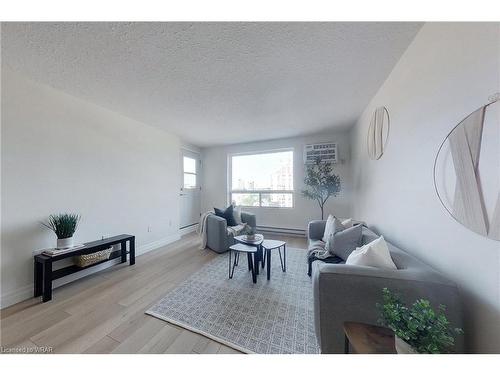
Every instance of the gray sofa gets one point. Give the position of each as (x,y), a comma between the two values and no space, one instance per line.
(217,237)
(350,293)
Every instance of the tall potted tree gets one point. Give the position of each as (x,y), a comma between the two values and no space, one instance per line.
(321,183)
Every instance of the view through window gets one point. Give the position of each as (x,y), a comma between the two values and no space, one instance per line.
(189,172)
(262,180)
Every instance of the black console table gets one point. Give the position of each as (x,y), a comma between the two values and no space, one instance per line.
(44,275)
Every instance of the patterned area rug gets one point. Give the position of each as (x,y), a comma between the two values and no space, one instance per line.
(269,317)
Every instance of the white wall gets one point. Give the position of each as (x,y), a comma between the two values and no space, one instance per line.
(61,154)
(447,72)
(215,191)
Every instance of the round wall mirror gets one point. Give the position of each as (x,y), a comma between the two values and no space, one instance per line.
(378,133)
(467,171)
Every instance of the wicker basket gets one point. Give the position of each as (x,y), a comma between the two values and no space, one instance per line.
(89,259)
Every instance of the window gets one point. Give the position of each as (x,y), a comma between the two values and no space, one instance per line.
(262,180)
(189,173)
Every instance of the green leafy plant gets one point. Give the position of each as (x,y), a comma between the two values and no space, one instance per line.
(248,230)
(321,183)
(63,225)
(427,330)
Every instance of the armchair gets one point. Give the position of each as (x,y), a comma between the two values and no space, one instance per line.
(218,239)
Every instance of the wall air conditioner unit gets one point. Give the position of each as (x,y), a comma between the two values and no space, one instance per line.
(327,152)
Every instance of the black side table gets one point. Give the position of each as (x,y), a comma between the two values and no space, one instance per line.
(256,242)
(269,245)
(251,252)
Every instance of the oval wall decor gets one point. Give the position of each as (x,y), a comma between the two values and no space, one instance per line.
(467,171)
(378,133)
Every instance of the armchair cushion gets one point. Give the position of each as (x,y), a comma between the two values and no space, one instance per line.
(226,214)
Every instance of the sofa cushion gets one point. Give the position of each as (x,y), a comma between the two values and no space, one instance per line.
(343,243)
(332,225)
(368,235)
(226,214)
(328,228)
(374,254)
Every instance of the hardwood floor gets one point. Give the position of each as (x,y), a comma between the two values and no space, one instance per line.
(104,312)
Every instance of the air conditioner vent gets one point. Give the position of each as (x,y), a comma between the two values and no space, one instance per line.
(327,152)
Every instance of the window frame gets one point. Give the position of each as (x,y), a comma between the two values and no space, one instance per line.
(195,174)
(260,192)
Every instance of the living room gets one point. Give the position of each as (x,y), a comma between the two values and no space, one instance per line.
(356,164)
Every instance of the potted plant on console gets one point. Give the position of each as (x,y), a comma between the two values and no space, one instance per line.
(418,328)
(64,226)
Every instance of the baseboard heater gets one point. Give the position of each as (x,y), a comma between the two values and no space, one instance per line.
(278,230)
(188,226)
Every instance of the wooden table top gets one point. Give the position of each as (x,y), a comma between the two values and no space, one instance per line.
(369,339)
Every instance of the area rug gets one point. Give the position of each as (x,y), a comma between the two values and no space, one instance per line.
(269,317)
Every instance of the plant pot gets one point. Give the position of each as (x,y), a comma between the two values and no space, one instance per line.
(64,243)
(402,347)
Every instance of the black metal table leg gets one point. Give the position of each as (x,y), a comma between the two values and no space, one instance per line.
(268,260)
(234,263)
(253,266)
(346,345)
(38,278)
(123,248)
(132,251)
(256,259)
(284,258)
(47,281)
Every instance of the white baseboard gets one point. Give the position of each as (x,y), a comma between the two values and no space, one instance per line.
(26,292)
(143,249)
(16,296)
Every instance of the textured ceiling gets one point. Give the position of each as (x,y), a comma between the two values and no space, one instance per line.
(215,83)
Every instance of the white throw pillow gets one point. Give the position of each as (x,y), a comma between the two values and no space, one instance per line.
(328,228)
(332,225)
(373,254)
(347,223)
(237,214)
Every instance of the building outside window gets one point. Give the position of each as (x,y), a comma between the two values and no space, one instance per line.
(262,179)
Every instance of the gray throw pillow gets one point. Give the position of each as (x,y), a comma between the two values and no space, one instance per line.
(343,243)
(338,226)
